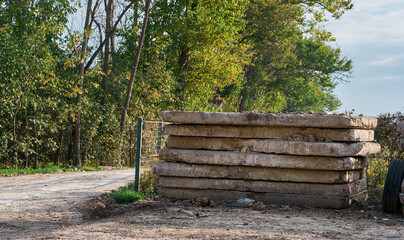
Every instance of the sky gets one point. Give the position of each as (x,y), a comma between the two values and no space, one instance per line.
(372,35)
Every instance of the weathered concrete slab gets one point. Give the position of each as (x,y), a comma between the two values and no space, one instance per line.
(255,173)
(285,133)
(331,149)
(341,190)
(232,158)
(267,198)
(400,128)
(402,186)
(271,119)
(402,143)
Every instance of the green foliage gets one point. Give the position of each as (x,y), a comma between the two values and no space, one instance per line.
(202,47)
(91,169)
(292,68)
(147,188)
(31,100)
(376,171)
(148,183)
(207,55)
(45,169)
(125,195)
(385,135)
(6,172)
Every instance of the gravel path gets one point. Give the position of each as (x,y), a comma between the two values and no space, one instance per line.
(31,205)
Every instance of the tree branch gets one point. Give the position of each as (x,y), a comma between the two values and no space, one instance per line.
(108,35)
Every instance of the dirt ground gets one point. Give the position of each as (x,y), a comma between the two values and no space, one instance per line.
(76,206)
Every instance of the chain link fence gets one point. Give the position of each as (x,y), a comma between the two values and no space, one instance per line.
(149,142)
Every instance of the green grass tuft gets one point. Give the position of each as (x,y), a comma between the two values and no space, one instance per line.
(126,195)
(50,169)
(90,169)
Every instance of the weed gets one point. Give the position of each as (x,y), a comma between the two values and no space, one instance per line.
(47,169)
(126,195)
(385,135)
(89,169)
(148,183)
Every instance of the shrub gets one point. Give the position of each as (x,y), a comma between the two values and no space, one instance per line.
(148,183)
(389,140)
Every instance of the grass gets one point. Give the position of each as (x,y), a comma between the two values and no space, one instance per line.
(147,189)
(126,195)
(90,169)
(7,172)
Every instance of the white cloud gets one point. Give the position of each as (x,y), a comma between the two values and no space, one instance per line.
(387,61)
(387,78)
(371,21)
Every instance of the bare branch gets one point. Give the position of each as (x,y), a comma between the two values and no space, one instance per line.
(108,35)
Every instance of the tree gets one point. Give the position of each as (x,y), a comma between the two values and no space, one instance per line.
(284,74)
(134,67)
(202,47)
(30,93)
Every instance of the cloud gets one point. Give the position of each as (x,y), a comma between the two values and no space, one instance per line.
(387,78)
(371,21)
(390,61)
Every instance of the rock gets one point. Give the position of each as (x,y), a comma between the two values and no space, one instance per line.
(259,206)
(244,202)
(400,128)
(204,202)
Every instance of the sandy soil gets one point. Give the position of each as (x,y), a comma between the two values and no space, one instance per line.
(73,206)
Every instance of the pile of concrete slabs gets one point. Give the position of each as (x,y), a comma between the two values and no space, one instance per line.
(300,159)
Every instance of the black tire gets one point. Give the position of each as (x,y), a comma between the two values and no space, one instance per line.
(392,186)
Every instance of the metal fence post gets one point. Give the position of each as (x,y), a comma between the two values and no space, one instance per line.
(138,152)
(159,136)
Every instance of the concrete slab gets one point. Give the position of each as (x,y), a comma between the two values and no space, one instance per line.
(332,149)
(402,143)
(271,119)
(267,198)
(285,133)
(232,158)
(402,186)
(255,173)
(341,190)
(400,128)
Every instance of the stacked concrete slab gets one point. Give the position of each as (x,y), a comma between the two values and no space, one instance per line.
(302,159)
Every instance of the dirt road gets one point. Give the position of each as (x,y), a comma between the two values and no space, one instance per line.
(61,206)
(31,205)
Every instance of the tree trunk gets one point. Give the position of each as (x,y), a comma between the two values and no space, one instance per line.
(243,97)
(183,65)
(134,68)
(108,13)
(59,152)
(76,146)
(244,92)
